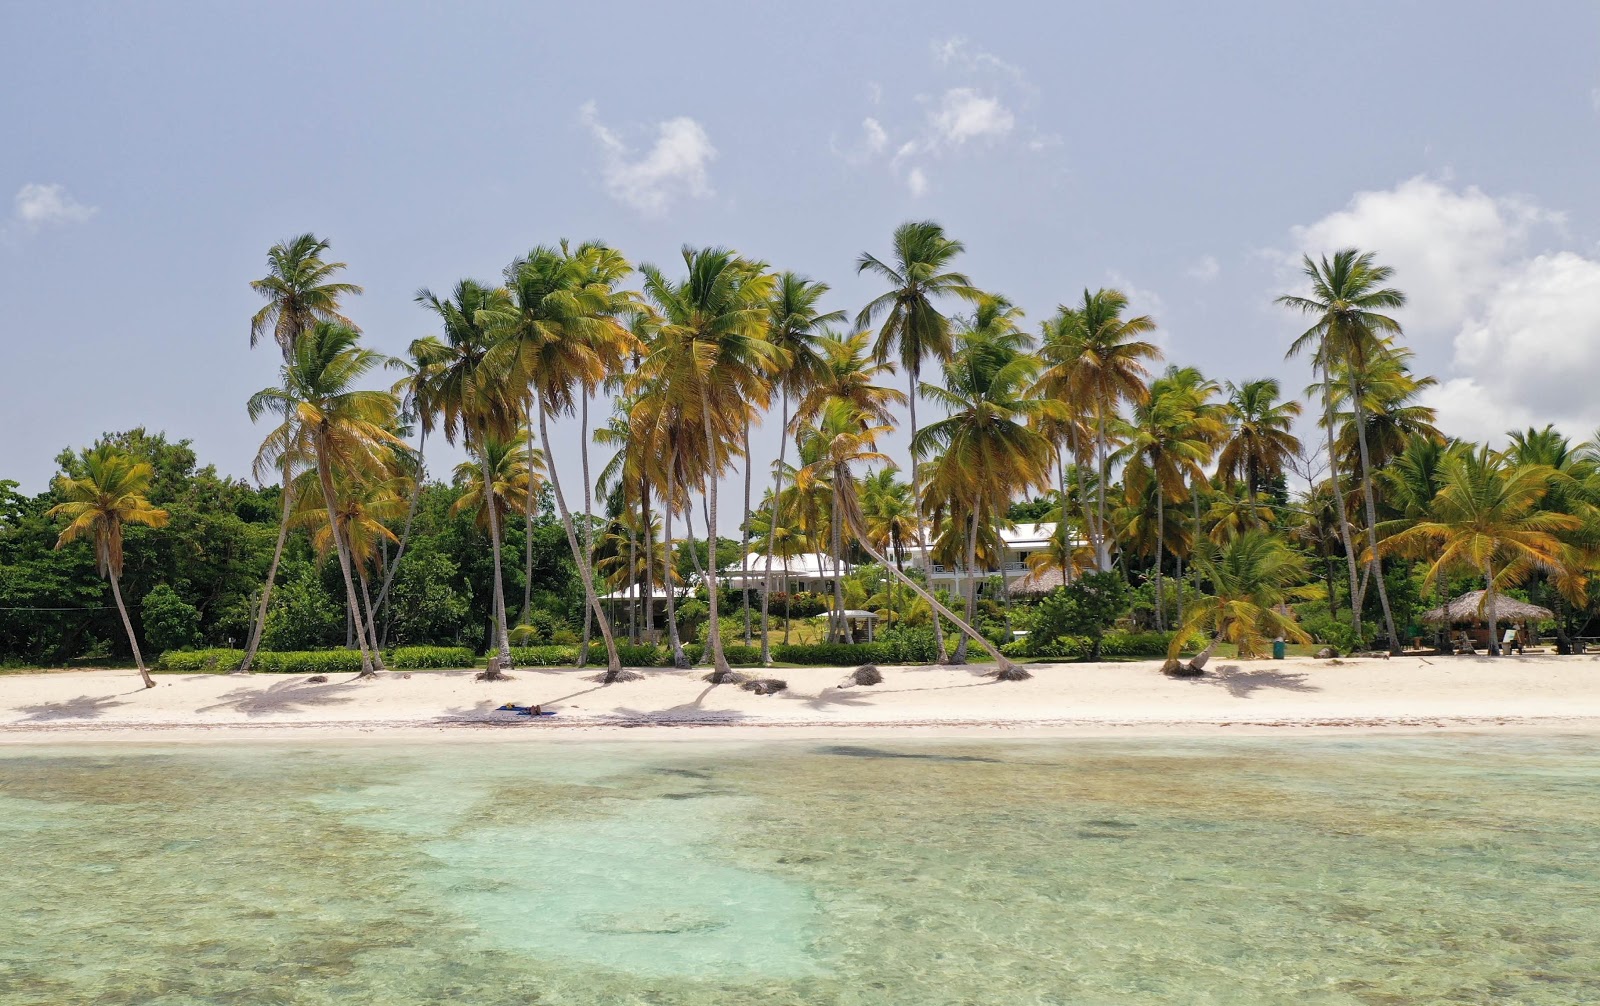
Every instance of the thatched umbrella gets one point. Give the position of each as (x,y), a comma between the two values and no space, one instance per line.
(1469,609)
(1039,581)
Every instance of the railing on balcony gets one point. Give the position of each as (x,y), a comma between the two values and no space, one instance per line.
(941,569)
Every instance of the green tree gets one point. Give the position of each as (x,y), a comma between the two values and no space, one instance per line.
(169,622)
(1251,580)
(98,505)
(1347,300)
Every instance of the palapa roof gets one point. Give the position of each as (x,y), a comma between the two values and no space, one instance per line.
(1469,607)
(1039,581)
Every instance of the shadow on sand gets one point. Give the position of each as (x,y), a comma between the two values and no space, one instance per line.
(284,697)
(84,707)
(1242,684)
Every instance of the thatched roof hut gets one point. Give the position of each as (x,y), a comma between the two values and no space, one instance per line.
(1039,581)
(1469,609)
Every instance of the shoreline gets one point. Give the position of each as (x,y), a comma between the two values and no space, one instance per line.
(1295,697)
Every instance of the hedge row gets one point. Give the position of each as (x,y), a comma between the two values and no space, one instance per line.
(1115,643)
(312,661)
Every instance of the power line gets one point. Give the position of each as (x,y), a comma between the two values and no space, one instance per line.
(103,607)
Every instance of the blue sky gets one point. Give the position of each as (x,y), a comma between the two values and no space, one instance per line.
(1187,153)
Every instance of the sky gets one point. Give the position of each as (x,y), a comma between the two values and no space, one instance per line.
(1187,154)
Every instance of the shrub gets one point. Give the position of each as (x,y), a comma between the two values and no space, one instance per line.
(835,654)
(1334,632)
(431,657)
(544,656)
(524,635)
(911,644)
(308,662)
(221,661)
(738,654)
(170,622)
(218,661)
(644,655)
(1135,644)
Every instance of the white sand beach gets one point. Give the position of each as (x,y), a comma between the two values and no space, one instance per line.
(1530,692)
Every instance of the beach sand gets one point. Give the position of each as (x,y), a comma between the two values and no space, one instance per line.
(1541,692)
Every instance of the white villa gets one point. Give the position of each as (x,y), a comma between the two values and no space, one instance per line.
(816,572)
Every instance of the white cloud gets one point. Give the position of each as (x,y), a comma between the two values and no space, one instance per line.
(674,167)
(963,114)
(1446,247)
(917,182)
(1206,269)
(877,139)
(954,52)
(1513,334)
(37,206)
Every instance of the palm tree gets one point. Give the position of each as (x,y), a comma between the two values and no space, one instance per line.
(457,377)
(1487,519)
(890,515)
(1347,298)
(1109,370)
(989,447)
(300,290)
(912,328)
(1392,414)
(347,427)
(98,504)
(794,327)
(1259,445)
(558,331)
(364,504)
(1252,579)
(848,438)
(713,360)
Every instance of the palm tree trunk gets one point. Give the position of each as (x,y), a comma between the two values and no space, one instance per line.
(325,478)
(588,526)
(1102,544)
(719,661)
(527,533)
(502,633)
(1372,515)
(1005,669)
(1161,530)
(941,652)
(127,625)
(260,628)
(680,659)
(1489,605)
(960,656)
(405,531)
(372,624)
(744,535)
(613,661)
(649,558)
(633,582)
(1338,497)
(772,536)
(838,621)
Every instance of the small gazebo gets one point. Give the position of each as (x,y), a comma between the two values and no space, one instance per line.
(1470,612)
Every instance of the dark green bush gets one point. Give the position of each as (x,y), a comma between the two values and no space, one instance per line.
(410,658)
(738,654)
(911,644)
(170,622)
(835,654)
(1135,644)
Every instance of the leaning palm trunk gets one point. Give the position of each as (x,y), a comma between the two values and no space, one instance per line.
(1338,498)
(1372,518)
(127,625)
(527,534)
(325,478)
(1005,670)
(839,630)
(941,652)
(260,628)
(614,670)
(649,559)
(502,633)
(772,539)
(405,533)
(1102,548)
(719,661)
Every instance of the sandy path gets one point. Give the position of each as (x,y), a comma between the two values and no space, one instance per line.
(1539,691)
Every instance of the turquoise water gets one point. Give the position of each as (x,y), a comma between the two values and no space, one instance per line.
(1449,869)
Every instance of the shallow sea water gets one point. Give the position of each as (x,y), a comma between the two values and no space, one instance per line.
(1364,871)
